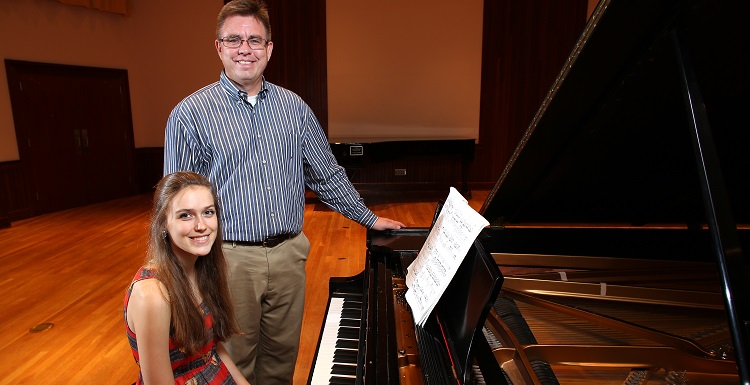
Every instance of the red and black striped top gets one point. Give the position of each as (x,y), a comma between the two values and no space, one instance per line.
(202,368)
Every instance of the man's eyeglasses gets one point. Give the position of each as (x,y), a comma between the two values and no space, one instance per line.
(236,42)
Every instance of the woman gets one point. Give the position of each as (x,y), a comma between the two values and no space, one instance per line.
(178,310)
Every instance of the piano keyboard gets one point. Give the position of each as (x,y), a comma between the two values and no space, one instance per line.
(336,359)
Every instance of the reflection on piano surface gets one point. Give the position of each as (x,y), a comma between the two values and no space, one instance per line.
(619,228)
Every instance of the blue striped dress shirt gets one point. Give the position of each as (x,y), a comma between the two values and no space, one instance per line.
(259,158)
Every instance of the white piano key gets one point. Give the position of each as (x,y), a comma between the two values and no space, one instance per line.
(325,361)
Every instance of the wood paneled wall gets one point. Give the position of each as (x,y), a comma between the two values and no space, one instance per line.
(299,53)
(524,46)
(14,186)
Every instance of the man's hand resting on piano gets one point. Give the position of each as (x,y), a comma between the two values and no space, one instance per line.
(387,224)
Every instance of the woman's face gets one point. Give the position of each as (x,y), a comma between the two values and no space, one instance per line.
(192,222)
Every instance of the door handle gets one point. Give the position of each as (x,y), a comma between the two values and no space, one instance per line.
(85,136)
(77,140)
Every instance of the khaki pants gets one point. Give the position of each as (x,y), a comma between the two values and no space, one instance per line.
(268,292)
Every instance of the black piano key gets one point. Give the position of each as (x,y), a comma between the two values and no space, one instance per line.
(350,333)
(343,355)
(351,314)
(344,369)
(342,358)
(352,304)
(342,380)
(353,323)
(347,361)
(347,344)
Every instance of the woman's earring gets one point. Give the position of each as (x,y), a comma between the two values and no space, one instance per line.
(164,234)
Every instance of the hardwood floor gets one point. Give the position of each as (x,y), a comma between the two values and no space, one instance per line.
(71,269)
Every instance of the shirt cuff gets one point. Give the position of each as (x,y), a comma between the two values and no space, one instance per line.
(368,219)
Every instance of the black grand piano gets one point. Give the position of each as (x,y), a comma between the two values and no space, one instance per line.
(619,237)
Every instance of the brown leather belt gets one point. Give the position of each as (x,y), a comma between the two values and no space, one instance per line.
(269,242)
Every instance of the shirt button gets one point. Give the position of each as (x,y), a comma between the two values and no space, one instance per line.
(273,215)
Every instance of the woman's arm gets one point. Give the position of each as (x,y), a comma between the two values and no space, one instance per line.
(224,355)
(149,317)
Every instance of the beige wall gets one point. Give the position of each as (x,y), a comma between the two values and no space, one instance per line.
(404,69)
(160,74)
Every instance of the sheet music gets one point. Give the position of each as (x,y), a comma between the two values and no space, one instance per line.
(449,240)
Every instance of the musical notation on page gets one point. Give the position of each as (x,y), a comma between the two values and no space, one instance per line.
(455,229)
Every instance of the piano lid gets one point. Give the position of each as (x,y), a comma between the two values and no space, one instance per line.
(611,142)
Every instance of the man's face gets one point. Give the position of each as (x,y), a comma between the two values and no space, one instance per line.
(244,65)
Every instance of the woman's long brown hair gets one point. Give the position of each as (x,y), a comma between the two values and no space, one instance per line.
(188,329)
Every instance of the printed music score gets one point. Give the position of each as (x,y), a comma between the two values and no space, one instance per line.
(447,244)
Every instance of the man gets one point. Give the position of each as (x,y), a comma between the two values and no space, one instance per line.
(260,145)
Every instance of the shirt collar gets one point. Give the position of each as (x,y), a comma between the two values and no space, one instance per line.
(237,93)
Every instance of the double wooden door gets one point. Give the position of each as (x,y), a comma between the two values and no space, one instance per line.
(74,133)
